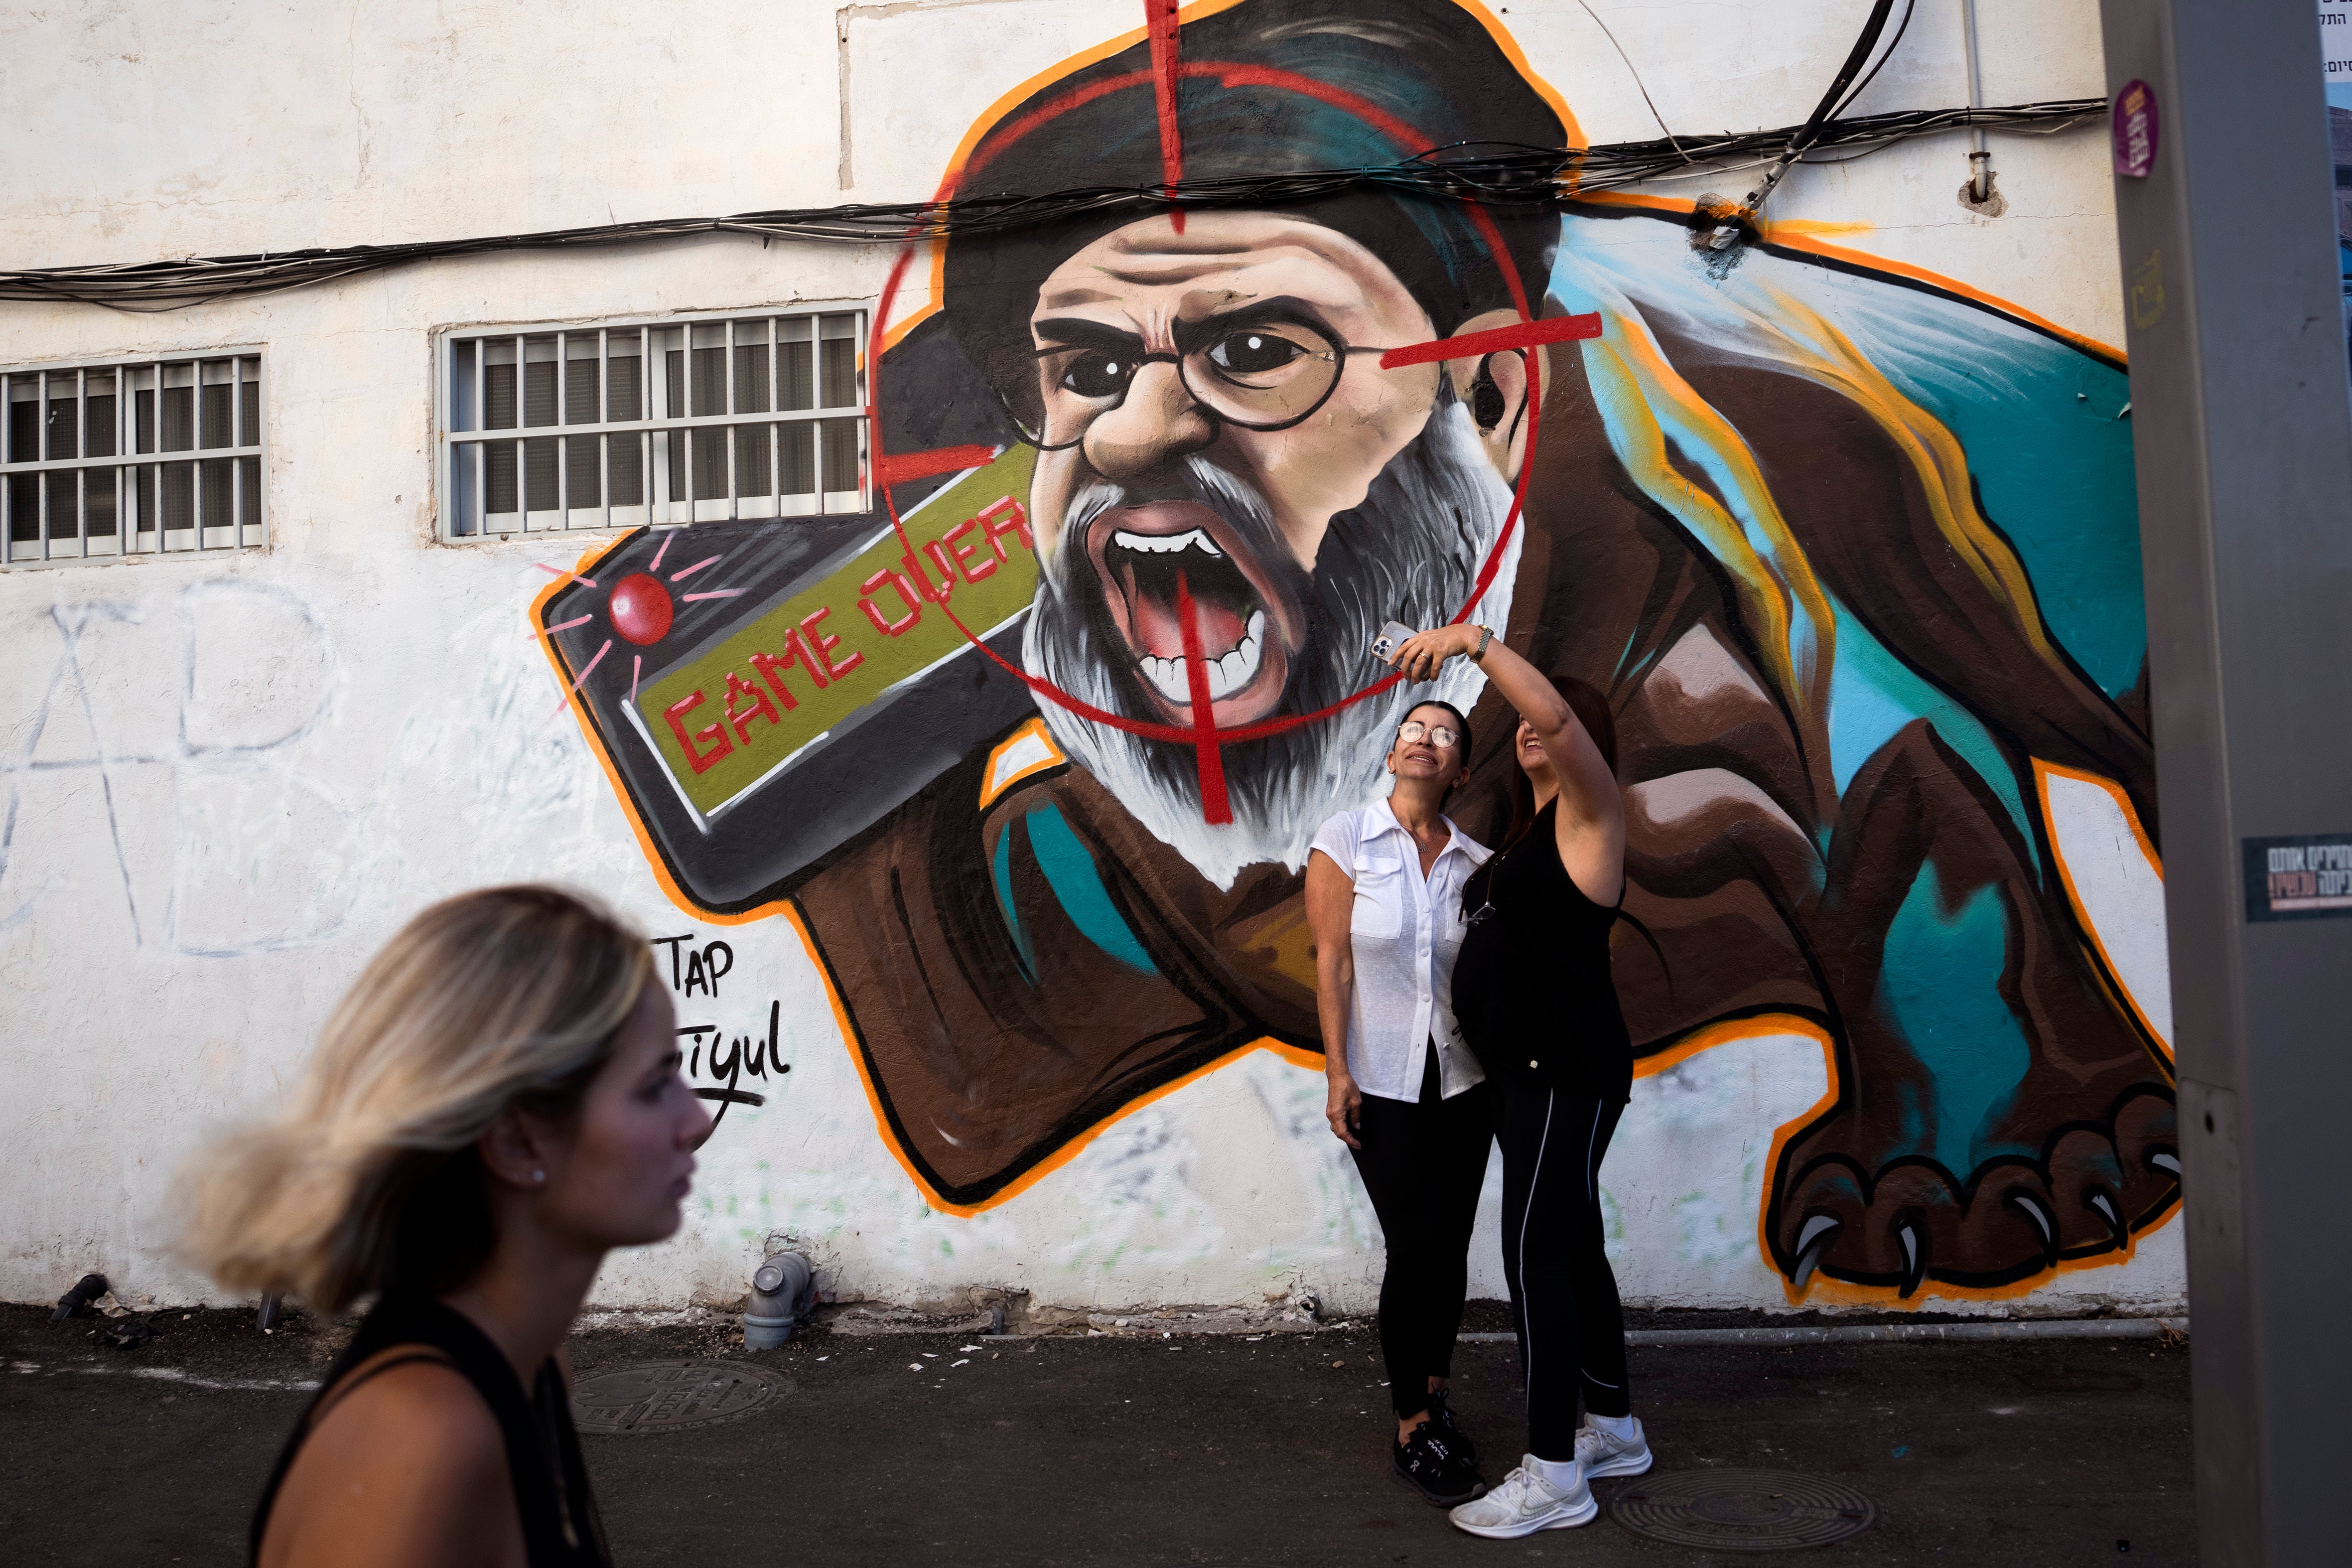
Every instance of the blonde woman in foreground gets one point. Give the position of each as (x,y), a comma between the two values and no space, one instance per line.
(494,1107)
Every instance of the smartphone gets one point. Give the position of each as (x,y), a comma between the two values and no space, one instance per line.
(1393,636)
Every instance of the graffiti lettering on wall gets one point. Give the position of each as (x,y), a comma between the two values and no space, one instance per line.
(1851,550)
(719,1054)
(161,748)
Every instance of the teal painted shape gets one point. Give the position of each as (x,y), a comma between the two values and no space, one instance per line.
(1003,870)
(2048,448)
(1873,695)
(1070,872)
(1939,985)
(2040,421)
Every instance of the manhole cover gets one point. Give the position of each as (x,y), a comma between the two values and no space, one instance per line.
(662,1395)
(1742,1510)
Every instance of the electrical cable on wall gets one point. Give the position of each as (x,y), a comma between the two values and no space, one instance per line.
(1825,115)
(1489,173)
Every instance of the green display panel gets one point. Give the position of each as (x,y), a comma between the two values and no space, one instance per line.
(739,713)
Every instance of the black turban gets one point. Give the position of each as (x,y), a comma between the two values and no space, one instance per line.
(1396,78)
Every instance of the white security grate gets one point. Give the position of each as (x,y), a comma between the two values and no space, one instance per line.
(739,417)
(90,465)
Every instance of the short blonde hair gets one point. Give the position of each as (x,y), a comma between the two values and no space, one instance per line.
(493,998)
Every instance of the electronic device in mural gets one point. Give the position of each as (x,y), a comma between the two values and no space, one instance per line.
(810,667)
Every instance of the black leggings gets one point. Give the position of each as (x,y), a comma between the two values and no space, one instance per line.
(1564,1296)
(1423,1163)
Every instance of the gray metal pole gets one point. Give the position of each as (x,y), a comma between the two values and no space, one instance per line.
(2242,427)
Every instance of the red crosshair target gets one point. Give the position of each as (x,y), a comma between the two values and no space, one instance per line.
(1202,734)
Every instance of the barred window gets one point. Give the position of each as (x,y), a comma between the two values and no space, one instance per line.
(673,420)
(87,464)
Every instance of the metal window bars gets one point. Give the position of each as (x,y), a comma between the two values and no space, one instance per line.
(667,421)
(128,457)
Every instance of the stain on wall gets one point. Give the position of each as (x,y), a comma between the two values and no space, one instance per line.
(1849,547)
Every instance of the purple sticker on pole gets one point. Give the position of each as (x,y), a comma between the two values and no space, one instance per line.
(2135,127)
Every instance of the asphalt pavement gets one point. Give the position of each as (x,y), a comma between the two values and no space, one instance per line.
(1131,1450)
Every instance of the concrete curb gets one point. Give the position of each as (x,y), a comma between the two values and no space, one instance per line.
(1879,1333)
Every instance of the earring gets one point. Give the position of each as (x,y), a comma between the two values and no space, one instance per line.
(539,1175)
(1486,400)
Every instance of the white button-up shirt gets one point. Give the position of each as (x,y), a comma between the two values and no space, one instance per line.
(1405,932)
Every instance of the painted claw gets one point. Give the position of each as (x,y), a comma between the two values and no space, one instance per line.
(2031,1207)
(1915,1256)
(2116,1226)
(1813,1241)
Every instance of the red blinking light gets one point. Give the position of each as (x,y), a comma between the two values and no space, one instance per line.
(641,609)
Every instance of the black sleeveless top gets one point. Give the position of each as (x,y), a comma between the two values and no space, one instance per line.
(1532,991)
(560,1528)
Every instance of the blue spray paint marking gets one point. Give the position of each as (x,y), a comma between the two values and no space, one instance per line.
(2041,422)
(1003,867)
(2050,454)
(1939,985)
(1873,695)
(1070,871)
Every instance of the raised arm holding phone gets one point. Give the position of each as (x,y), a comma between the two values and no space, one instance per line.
(1533,997)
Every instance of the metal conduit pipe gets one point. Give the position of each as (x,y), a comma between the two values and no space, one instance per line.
(1979,156)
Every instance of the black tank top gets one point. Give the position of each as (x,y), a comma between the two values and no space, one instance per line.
(1532,990)
(560,1528)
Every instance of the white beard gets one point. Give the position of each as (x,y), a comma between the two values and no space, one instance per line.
(1410,552)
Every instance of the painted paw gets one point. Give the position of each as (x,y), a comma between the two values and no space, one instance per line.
(2087,1192)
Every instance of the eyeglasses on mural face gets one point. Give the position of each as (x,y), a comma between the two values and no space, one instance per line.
(1254,371)
(1437,735)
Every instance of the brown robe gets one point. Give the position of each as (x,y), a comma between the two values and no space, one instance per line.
(1755,889)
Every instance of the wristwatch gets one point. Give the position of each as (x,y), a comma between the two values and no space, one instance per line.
(1486,636)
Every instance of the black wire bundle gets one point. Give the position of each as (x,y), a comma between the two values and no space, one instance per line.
(1491,174)
(1835,102)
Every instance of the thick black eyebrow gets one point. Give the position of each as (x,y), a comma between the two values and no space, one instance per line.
(1065,333)
(1282,309)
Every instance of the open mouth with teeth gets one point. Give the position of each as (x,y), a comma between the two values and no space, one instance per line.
(1141,552)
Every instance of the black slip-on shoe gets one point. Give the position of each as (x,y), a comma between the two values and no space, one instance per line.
(1431,1465)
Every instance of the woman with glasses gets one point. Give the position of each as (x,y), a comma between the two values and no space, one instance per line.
(1384,906)
(1534,997)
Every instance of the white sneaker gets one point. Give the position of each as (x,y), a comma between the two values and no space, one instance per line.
(1597,1454)
(1525,1503)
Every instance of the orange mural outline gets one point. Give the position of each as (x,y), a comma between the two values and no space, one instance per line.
(1798,236)
(2041,775)
(993,116)
(1821,1288)
(1070,1151)
(589,559)
(1295,1054)
(991,787)
(1793,236)
(858,1057)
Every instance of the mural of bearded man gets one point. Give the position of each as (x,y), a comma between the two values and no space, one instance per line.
(1758,516)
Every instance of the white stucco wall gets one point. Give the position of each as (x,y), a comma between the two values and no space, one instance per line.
(227,780)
